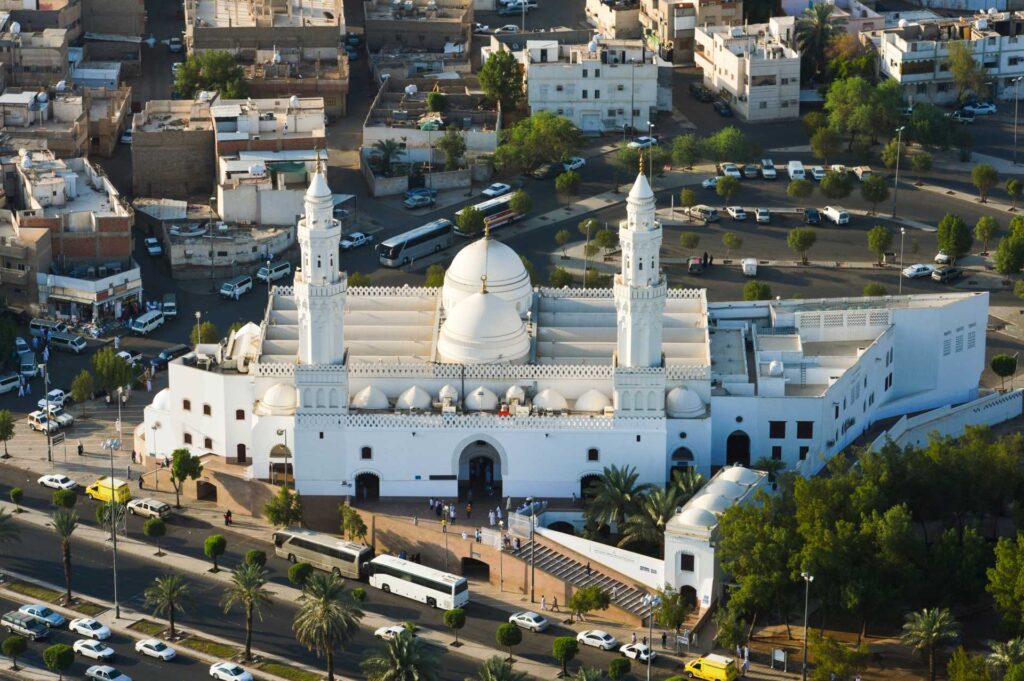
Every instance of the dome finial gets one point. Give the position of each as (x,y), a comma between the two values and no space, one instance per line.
(483,283)
(641,161)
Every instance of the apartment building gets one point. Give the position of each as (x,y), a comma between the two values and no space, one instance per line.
(113,30)
(264,188)
(36,59)
(288,123)
(59,120)
(615,18)
(287,74)
(752,67)
(426,25)
(173,150)
(108,114)
(855,17)
(37,15)
(24,251)
(670,25)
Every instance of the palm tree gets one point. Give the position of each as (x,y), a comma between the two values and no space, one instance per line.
(247,588)
(770,466)
(1006,655)
(167,595)
(64,522)
(928,629)
(328,617)
(687,482)
(498,668)
(589,674)
(404,659)
(9,532)
(389,150)
(816,28)
(647,526)
(614,495)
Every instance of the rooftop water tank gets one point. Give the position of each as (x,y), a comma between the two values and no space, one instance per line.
(411,89)
(15,27)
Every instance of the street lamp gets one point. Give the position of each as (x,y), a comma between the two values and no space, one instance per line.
(903,234)
(199,318)
(111,444)
(808,578)
(49,416)
(1016,101)
(896,182)
(651,601)
(533,544)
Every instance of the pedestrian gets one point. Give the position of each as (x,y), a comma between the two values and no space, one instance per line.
(469,511)
(444,526)
(430,504)
(508,504)
(588,568)
(128,473)
(46,355)
(554,604)
(117,342)
(644,640)
(746,667)
(490,518)
(633,640)
(21,389)
(479,536)
(402,555)
(149,385)
(28,388)
(739,651)
(497,512)
(711,260)
(451,512)
(237,295)
(746,652)
(574,498)
(664,640)
(81,448)
(140,482)
(464,536)
(704,260)
(543,603)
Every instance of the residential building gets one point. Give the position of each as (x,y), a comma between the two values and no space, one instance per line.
(405,63)
(615,18)
(108,116)
(114,31)
(855,17)
(669,25)
(173,149)
(36,59)
(36,15)
(428,25)
(263,188)
(60,120)
(753,68)
(105,74)
(288,74)
(286,123)
(24,251)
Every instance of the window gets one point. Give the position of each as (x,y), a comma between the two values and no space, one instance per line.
(366,453)
(686,562)
(207,411)
(597,73)
(584,94)
(776,429)
(763,105)
(777,453)
(805,430)
(207,443)
(636,112)
(239,414)
(592,454)
(188,438)
(620,87)
(611,113)
(558,88)
(803,453)
(584,73)
(597,94)
(186,405)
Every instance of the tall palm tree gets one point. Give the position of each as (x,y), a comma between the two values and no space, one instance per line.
(647,525)
(1006,655)
(167,595)
(927,630)
(498,668)
(816,28)
(9,532)
(770,466)
(403,659)
(64,522)
(687,482)
(248,582)
(328,617)
(390,151)
(615,495)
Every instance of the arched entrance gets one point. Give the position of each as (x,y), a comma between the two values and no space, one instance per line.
(689,595)
(479,471)
(562,526)
(473,568)
(682,459)
(240,453)
(737,449)
(585,483)
(206,491)
(367,487)
(281,465)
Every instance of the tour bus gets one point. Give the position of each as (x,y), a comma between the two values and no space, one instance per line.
(322,551)
(404,248)
(418,582)
(497,212)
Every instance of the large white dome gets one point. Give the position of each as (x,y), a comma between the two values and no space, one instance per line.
(725,488)
(549,398)
(280,399)
(483,329)
(683,403)
(414,398)
(715,503)
(696,518)
(592,401)
(370,397)
(506,276)
(481,399)
(739,474)
(162,401)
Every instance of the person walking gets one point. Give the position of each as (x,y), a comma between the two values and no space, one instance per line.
(543,603)
(497,511)
(664,640)
(81,448)
(588,568)
(451,512)
(633,638)
(469,511)
(117,342)
(490,518)
(554,604)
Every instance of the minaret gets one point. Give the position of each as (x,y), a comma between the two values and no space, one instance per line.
(320,286)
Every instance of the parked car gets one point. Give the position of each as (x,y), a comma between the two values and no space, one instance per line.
(482,29)
(355,240)
(817,173)
(947,274)
(980,108)
(763,215)
(701,93)
(274,271)
(709,183)
(574,163)
(352,53)
(106,673)
(152,647)
(174,45)
(43,614)
(638,651)
(546,171)
(836,214)
(54,398)
(514,8)
(60,417)
(87,626)
(731,170)
(57,481)
(422,191)
(126,136)
(917,271)
(942,258)
(169,305)
(149,508)
(168,354)
(529,620)
(812,216)
(507,28)
(750,171)
(20,345)
(597,639)
(389,632)
(153,246)
(129,358)
(41,423)
(643,142)
(419,201)
(497,189)
(94,650)
(768,169)
(736,212)
(723,109)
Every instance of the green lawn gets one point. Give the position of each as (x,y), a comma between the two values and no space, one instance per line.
(210,647)
(39,593)
(286,672)
(89,609)
(148,628)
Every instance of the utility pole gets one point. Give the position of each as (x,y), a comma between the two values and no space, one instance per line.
(808,578)
(896,182)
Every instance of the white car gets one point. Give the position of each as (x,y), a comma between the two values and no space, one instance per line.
(981,109)
(21,345)
(87,626)
(153,246)
(942,258)
(43,615)
(731,170)
(818,173)
(229,671)
(597,639)
(354,240)
(507,28)
(918,271)
(57,482)
(574,163)
(54,398)
(736,212)
(104,672)
(709,183)
(529,620)
(155,648)
(497,189)
(41,423)
(642,143)
(638,651)
(94,650)
(126,136)
(768,169)
(389,632)
(763,215)
(175,67)
(174,44)
(129,358)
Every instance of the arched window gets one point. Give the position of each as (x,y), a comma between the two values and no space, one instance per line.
(366,453)
(239,414)
(207,443)
(592,454)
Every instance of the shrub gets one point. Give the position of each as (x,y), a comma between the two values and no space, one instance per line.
(299,573)
(358,593)
(255,557)
(618,668)
(65,498)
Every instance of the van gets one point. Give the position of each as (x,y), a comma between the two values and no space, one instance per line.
(796,170)
(236,287)
(27,364)
(107,488)
(23,624)
(277,270)
(148,322)
(149,508)
(67,342)
(862,172)
(169,306)
(836,215)
(9,383)
(705,213)
(168,354)
(712,668)
(39,327)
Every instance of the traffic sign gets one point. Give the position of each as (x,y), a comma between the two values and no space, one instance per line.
(57,438)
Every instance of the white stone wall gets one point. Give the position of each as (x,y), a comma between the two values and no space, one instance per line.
(560,86)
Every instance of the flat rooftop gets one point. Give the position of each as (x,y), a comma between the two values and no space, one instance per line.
(250,13)
(172,114)
(87,193)
(728,354)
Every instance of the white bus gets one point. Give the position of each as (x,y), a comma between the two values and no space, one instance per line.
(420,583)
(497,212)
(404,248)
(322,551)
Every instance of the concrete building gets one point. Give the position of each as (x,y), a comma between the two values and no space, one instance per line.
(97,74)
(24,251)
(263,188)
(173,149)
(615,18)
(753,68)
(285,123)
(855,16)
(37,15)
(60,120)
(669,25)
(288,74)
(915,54)
(406,63)
(125,18)
(108,116)
(36,59)
(429,25)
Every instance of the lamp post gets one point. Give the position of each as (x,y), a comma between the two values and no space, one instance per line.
(49,417)
(896,181)
(210,228)
(281,432)
(153,453)
(111,444)
(650,152)
(903,234)
(269,284)
(651,601)
(808,578)
(1016,101)
(533,547)
(199,319)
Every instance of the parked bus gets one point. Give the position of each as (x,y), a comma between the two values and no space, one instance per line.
(418,582)
(497,213)
(404,248)
(322,551)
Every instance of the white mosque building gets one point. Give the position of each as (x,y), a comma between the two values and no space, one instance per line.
(493,384)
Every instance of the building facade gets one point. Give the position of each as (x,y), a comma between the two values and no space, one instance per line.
(669,25)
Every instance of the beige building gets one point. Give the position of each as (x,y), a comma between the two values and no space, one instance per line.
(669,25)
(291,75)
(173,149)
(36,15)
(59,120)
(615,18)
(24,251)
(439,26)
(108,115)
(38,59)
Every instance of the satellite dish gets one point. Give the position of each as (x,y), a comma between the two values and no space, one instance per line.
(15,27)
(62,85)
(43,97)
(293,102)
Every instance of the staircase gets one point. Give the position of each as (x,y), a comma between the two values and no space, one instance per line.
(626,597)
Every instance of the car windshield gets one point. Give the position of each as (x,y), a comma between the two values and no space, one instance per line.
(233,670)
(158,646)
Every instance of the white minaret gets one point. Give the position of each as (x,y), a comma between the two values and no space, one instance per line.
(320,286)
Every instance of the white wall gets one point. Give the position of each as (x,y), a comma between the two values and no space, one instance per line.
(643,569)
(619,86)
(260,204)
(949,421)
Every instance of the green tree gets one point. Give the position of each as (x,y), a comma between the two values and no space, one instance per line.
(687,199)
(562,237)
(689,240)
(1017,226)
(184,467)
(437,102)
(435,276)
(1005,656)
(564,649)
(498,668)
(954,236)
(520,202)
(757,290)
(984,178)
(64,523)
(588,227)
(537,139)
(849,109)
(214,548)
(560,278)
(453,145)
(685,150)
(727,187)
(1003,366)
(587,599)
(607,239)
(628,159)
(508,636)
(614,495)
(167,595)
(1018,289)
(16,495)
(967,73)
(1009,257)
(470,220)
(834,660)
(1014,188)
(389,151)
(155,528)
(825,143)
(674,609)
(985,230)
(816,28)
(299,573)
(732,629)
(926,630)
(213,70)
(886,109)
(501,79)
(728,144)
(799,189)
(405,658)
(732,242)
(801,239)
(83,387)
(874,190)
(921,162)
(204,332)
(1015,673)
(879,241)
(568,185)
(357,279)
(352,523)
(15,646)
(646,527)
(892,151)
(64,498)
(7,433)
(618,668)
(328,617)
(58,658)
(248,589)
(455,619)
(284,508)
(836,185)
(874,289)
(255,557)
(112,372)
(963,666)
(814,121)
(9,532)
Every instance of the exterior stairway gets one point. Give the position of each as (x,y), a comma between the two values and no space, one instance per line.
(626,597)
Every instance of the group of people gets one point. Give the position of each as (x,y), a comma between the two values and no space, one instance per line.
(411,557)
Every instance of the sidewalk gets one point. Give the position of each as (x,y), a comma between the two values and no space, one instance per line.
(972,198)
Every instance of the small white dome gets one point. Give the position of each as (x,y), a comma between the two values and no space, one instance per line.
(697,517)
(715,503)
(739,475)
(551,399)
(514,392)
(162,401)
(506,275)
(725,488)
(641,189)
(280,399)
(481,399)
(370,397)
(414,398)
(483,329)
(318,188)
(683,403)
(448,392)
(592,401)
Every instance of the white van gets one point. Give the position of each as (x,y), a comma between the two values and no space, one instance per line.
(27,364)
(836,215)
(148,322)
(796,170)
(9,383)
(705,213)
(277,270)
(169,306)
(39,327)
(236,287)
(66,342)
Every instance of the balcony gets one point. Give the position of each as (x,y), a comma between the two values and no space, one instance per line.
(14,277)
(13,250)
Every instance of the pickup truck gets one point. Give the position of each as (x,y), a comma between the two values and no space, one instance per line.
(61,417)
(128,357)
(54,398)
